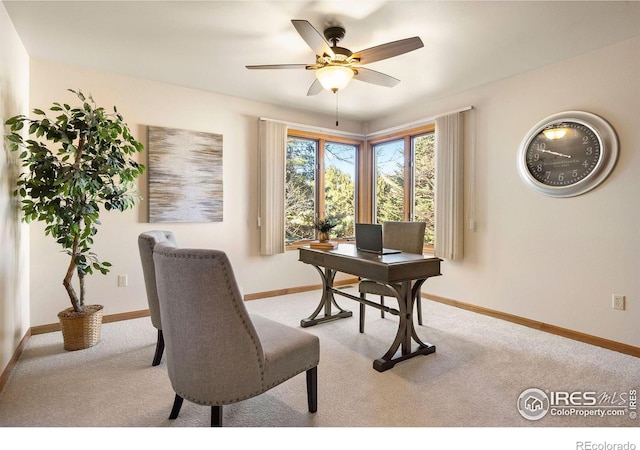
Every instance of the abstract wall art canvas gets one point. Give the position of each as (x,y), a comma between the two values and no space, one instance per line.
(185,176)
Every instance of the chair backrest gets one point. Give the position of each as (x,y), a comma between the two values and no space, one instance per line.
(146,242)
(214,354)
(405,236)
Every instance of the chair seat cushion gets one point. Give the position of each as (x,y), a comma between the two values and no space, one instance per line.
(287,351)
(375,288)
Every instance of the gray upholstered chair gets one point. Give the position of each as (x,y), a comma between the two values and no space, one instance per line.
(217,354)
(407,237)
(146,242)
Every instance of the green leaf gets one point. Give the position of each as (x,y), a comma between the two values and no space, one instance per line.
(12,120)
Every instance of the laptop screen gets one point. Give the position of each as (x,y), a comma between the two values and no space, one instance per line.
(369,237)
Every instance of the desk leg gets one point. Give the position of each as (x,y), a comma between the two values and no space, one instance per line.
(326,301)
(406,331)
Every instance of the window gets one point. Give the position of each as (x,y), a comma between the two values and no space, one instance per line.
(389,180)
(300,189)
(325,174)
(424,179)
(340,186)
(321,181)
(404,178)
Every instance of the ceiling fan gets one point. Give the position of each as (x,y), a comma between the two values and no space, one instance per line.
(336,66)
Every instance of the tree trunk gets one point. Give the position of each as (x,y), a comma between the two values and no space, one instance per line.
(75,302)
(82,289)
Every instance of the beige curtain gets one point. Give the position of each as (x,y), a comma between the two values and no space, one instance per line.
(449,187)
(272,148)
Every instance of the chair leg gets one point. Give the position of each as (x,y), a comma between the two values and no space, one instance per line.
(419,306)
(159,349)
(382,303)
(362,306)
(312,389)
(177,404)
(216,416)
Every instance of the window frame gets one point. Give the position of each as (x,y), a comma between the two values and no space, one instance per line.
(409,164)
(322,139)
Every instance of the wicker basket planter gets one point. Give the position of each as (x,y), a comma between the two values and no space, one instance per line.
(81,330)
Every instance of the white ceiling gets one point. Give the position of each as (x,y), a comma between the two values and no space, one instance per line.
(206,44)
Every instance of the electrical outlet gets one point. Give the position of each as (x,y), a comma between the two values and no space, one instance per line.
(122,281)
(617,302)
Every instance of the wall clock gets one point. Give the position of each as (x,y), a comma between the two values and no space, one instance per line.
(568,154)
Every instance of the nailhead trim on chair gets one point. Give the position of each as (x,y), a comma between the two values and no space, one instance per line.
(248,396)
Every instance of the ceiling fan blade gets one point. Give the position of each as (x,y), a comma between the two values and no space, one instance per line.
(388,50)
(315,88)
(278,66)
(374,77)
(313,38)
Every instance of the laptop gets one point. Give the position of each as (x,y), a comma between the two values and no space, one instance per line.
(369,239)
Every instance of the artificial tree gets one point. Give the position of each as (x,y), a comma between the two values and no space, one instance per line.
(74,164)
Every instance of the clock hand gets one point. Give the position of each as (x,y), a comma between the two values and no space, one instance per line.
(555,153)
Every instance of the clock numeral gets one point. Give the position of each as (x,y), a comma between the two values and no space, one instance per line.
(539,167)
(585,140)
(536,156)
(574,173)
(547,175)
(589,151)
(561,177)
(585,164)
(541,146)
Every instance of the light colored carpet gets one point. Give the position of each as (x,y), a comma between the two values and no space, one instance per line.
(474,379)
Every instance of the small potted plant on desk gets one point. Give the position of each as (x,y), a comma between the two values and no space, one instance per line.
(74,164)
(324,227)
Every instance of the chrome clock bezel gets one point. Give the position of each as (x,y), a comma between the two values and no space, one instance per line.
(608,153)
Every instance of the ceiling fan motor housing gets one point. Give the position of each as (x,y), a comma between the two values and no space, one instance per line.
(334,34)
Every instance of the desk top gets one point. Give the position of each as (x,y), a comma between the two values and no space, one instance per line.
(385,268)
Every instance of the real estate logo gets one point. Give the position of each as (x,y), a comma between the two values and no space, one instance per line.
(534,404)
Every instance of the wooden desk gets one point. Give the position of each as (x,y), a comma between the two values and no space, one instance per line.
(404,273)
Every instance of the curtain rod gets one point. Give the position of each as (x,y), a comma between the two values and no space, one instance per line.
(417,123)
(304,127)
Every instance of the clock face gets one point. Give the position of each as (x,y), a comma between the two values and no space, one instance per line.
(568,154)
(563,154)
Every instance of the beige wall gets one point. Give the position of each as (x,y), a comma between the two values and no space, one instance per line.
(14,263)
(557,261)
(553,260)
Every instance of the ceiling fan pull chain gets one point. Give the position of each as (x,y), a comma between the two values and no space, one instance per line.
(336,92)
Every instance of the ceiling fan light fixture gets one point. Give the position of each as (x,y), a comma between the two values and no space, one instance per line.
(334,78)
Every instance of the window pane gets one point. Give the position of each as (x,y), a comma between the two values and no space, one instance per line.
(424,182)
(300,189)
(339,186)
(389,181)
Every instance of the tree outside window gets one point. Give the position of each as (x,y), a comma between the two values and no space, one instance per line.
(424,182)
(300,188)
(340,187)
(389,181)
(404,179)
(320,183)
